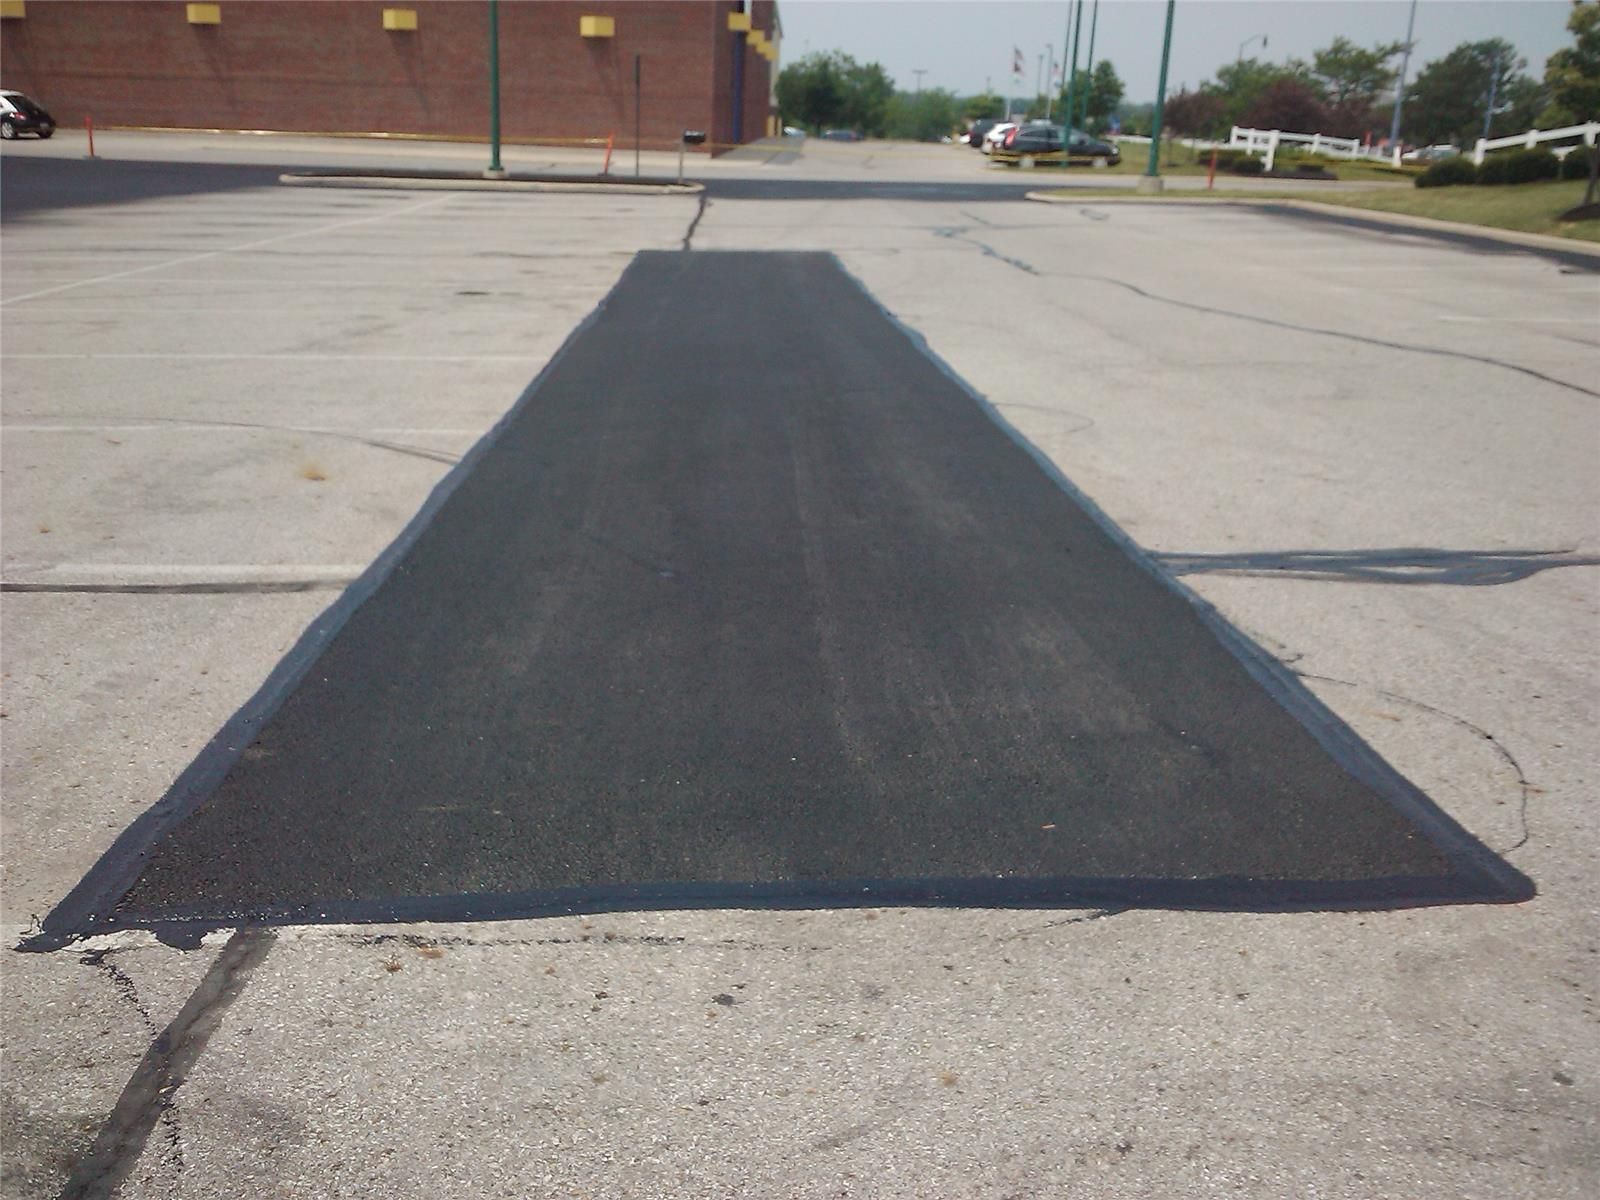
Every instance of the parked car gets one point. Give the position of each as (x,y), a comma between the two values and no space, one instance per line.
(1048,144)
(1429,154)
(996,134)
(793,131)
(975,135)
(840,135)
(21,114)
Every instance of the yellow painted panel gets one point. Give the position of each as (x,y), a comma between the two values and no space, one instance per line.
(739,22)
(13,10)
(402,20)
(597,27)
(205,14)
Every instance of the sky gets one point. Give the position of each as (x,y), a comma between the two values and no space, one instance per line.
(964,44)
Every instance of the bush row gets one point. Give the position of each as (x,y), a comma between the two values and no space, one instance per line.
(1513,166)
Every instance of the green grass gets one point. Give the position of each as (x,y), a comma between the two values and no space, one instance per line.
(1527,207)
(1179,159)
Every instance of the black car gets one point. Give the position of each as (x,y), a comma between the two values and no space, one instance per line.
(1047,144)
(21,114)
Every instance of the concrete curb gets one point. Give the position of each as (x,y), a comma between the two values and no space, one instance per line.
(468,184)
(1512,237)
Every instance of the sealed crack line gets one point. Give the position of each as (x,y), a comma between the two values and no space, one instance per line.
(150,1093)
(699,212)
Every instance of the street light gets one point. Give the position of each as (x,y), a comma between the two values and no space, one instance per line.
(1400,86)
(1261,37)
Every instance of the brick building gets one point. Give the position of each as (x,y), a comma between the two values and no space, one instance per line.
(350,66)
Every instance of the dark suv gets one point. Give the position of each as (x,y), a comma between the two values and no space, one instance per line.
(21,114)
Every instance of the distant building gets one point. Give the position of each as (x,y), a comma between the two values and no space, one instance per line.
(566,67)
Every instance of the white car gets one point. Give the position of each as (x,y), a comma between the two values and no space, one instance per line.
(996,135)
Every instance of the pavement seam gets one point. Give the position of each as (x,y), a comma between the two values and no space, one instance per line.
(149,1095)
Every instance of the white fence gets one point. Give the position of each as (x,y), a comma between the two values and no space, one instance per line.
(1534,136)
(1256,141)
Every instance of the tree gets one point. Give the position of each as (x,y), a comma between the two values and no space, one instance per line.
(1572,74)
(1447,100)
(1196,114)
(1348,77)
(1102,93)
(811,91)
(982,106)
(866,97)
(1240,83)
(833,89)
(1287,104)
(1572,79)
(924,116)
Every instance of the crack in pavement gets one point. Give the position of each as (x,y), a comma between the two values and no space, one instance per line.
(1526,788)
(150,1093)
(958,234)
(699,212)
(122,983)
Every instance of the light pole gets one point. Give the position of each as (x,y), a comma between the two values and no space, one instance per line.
(1072,81)
(1151,180)
(494,169)
(1050,80)
(1400,86)
(1088,71)
(1494,87)
(1261,37)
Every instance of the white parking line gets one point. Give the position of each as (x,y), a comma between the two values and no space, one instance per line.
(288,357)
(232,427)
(68,573)
(189,258)
(1595,321)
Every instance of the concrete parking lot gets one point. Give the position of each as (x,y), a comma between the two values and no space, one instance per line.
(1372,452)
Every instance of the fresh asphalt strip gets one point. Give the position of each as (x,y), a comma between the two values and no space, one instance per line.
(749,602)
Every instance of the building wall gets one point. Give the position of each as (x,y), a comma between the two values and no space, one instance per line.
(331,67)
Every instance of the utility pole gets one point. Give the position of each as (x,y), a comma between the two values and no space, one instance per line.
(1494,87)
(1151,180)
(1400,86)
(919,72)
(1049,79)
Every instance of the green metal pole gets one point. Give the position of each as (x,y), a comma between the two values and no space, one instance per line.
(494,89)
(1072,79)
(1153,171)
(1088,70)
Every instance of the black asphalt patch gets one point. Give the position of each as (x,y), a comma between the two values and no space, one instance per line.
(749,603)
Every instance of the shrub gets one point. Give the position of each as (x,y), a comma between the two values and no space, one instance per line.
(1226,159)
(1448,172)
(1519,166)
(1576,164)
(1248,166)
